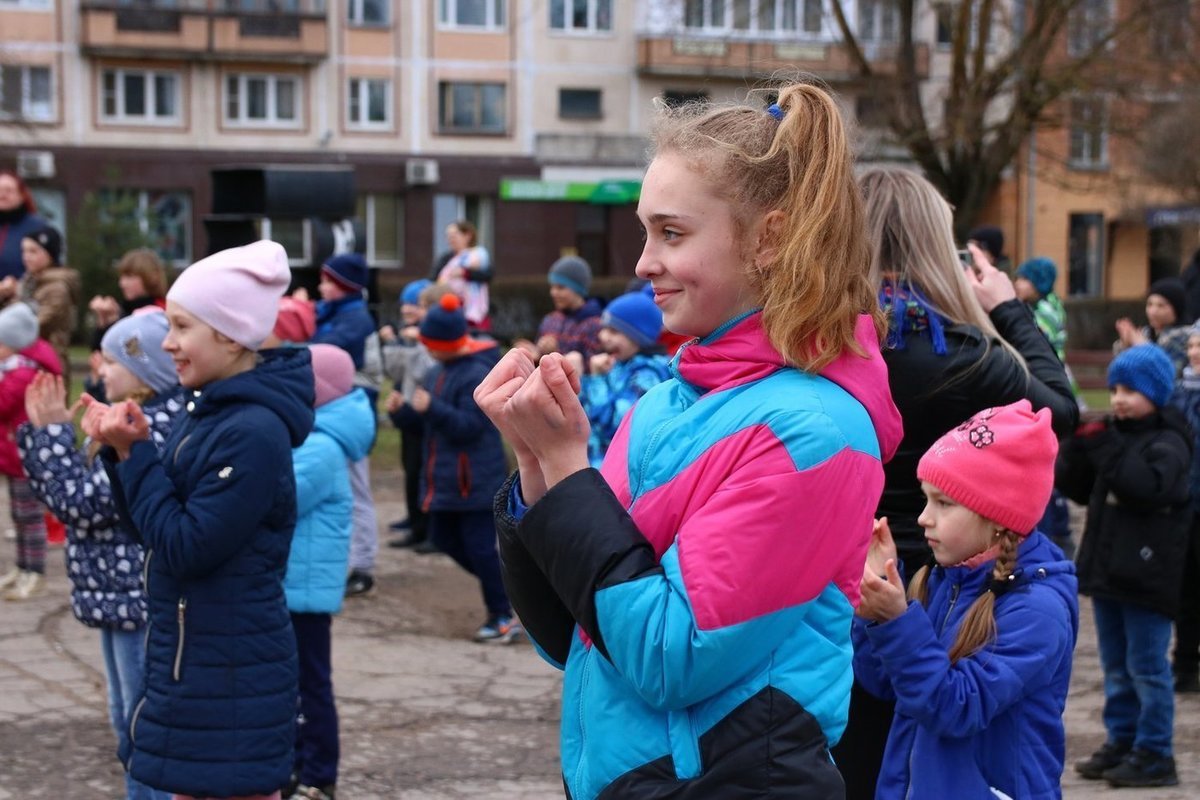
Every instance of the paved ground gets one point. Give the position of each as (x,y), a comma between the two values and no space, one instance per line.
(426,713)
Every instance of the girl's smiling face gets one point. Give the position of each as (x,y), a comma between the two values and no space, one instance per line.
(200,355)
(694,256)
(953,531)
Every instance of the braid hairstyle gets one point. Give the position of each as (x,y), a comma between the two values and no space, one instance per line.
(979,626)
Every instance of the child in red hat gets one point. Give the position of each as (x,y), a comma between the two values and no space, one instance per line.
(978,656)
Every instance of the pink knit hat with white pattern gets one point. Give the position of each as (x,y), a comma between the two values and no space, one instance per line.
(999,464)
(236,291)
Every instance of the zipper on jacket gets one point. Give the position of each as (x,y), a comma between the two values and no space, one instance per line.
(146,594)
(464,475)
(181,616)
(583,682)
(950,610)
(133,718)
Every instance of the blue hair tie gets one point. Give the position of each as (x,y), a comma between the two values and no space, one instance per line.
(775,111)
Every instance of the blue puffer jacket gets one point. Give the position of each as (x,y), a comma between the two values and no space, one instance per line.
(216,515)
(464,463)
(989,725)
(316,571)
(345,323)
(104,561)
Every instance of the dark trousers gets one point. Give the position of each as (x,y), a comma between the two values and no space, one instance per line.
(412,448)
(859,755)
(1187,623)
(317,749)
(469,537)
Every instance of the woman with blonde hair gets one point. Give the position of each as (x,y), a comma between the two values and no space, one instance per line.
(698,589)
(959,341)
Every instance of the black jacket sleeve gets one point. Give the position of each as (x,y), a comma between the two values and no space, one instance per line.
(1074,474)
(583,540)
(1047,384)
(1147,478)
(546,619)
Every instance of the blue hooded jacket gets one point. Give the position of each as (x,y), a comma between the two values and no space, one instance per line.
(316,571)
(989,725)
(216,514)
(345,323)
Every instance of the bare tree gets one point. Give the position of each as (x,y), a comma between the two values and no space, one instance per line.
(1012,62)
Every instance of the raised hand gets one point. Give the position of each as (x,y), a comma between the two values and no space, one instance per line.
(46,401)
(882,547)
(94,412)
(123,425)
(549,418)
(882,597)
(992,287)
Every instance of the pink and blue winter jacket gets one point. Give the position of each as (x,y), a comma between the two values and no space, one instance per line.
(699,589)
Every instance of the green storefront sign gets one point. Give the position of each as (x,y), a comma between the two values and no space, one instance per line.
(600,193)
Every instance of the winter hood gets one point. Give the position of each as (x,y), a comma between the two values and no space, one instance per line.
(44,354)
(282,382)
(349,421)
(739,352)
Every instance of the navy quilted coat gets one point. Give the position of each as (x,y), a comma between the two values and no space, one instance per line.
(104,560)
(216,515)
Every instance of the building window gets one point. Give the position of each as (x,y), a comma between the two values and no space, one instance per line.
(674,98)
(372,13)
(1089,23)
(579,104)
(141,97)
(581,16)
(878,20)
(370,103)
(472,108)
(26,93)
(9,4)
(262,100)
(475,208)
(485,14)
(1089,133)
(1171,28)
(1086,254)
(294,235)
(754,16)
(383,219)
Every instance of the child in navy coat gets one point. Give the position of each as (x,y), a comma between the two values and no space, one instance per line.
(978,657)
(464,463)
(216,514)
(104,560)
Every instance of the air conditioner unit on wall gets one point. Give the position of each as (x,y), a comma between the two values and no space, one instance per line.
(33,164)
(421,171)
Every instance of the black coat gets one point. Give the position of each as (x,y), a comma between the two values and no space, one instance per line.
(936,392)
(1133,475)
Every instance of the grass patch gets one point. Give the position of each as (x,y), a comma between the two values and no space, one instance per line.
(1096,399)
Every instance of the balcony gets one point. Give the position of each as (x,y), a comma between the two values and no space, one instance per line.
(291,31)
(687,53)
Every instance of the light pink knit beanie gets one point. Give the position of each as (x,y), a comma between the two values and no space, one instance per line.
(236,291)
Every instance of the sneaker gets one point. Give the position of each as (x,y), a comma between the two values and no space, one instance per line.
(400,525)
(358,582)
(1143,768)
(314,793)
(9,579)
(1187,682)
(29,584)
(1107,757)
(499,629)
(425,547)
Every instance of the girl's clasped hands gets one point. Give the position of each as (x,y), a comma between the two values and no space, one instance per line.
(883,596)
(537,409)
(119,425)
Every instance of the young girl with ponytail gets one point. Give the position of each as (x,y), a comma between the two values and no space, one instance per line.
(978,657)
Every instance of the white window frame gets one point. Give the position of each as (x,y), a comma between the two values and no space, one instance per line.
(370,217)
(495,13)
(272,120)
(355,14)
(726,25)
(305,257)
(1084,23)
(591,29)
(358,90)
(30,5)
(28,111)
(150,76)
(1086,129)
(880,10)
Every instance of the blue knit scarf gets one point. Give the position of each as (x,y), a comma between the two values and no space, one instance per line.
(908,310)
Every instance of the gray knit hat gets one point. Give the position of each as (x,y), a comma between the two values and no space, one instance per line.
(135,343)
(18,326)
(572,272)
